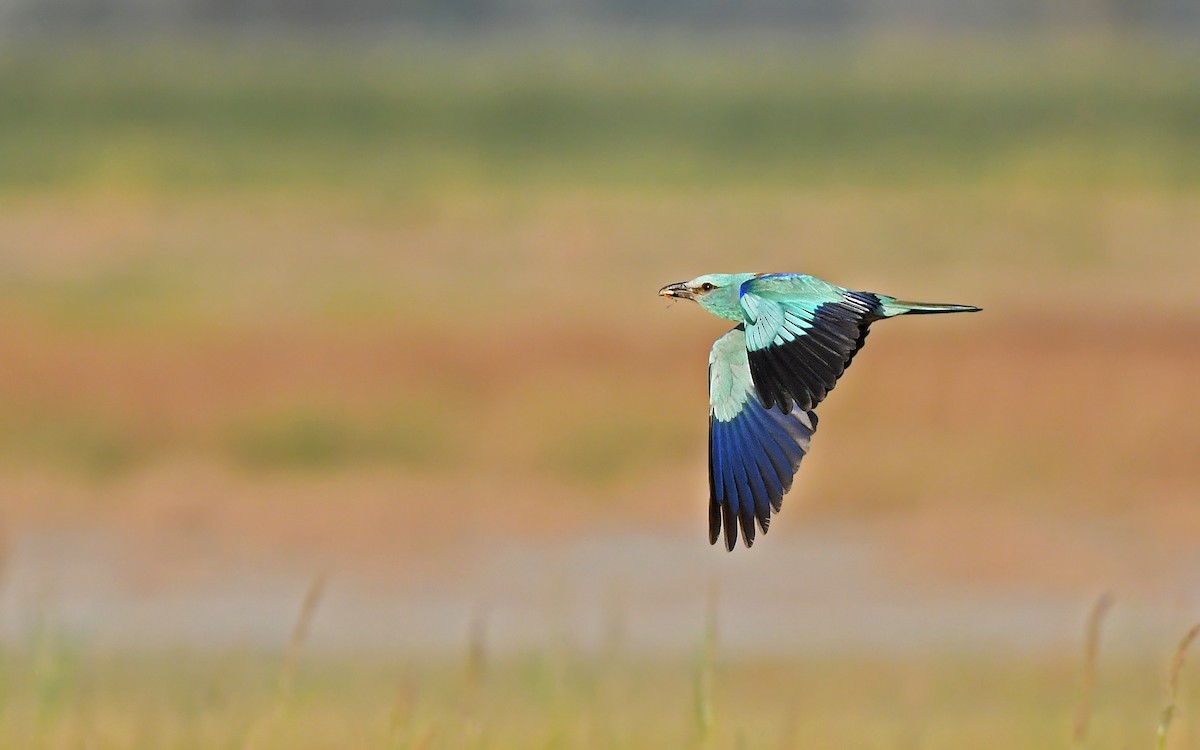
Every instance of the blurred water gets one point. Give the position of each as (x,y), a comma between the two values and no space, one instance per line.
(826,591)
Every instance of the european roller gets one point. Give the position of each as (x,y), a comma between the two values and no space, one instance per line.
(795,336)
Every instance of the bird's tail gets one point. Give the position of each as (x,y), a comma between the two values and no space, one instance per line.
(891,307)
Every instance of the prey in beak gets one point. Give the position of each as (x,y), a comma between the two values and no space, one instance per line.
(677,291)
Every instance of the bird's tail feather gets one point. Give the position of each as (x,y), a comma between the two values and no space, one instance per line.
(893,307)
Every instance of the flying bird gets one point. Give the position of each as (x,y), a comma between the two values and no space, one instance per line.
(795,336)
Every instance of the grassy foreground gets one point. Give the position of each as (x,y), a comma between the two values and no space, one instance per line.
(63,693)
(237,700)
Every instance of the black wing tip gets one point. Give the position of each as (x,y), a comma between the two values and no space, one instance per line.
(730,522)
(747,524)
(734,526)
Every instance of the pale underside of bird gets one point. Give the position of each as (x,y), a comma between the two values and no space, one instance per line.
(795,336)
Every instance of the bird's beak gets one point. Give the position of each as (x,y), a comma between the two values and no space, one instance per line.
(678,291)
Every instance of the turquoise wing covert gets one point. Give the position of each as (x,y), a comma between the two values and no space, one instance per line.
(801,334)
(753,449)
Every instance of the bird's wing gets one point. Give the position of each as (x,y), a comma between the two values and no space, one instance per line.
(801,333)
(753,450)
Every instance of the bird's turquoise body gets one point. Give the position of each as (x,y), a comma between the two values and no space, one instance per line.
(796,335)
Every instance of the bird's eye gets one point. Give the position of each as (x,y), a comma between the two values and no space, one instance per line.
(707,287)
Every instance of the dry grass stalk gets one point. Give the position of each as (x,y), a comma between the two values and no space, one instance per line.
(308,610)
(1083,711)
(705,718)
(614,627)
(477,656)
(1168,713)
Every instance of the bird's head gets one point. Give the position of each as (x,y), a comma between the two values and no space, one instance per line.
(719,293)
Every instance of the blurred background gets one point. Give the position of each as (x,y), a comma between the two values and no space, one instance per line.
(337,408)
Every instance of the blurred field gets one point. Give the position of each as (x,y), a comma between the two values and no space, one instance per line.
(667,113)
(369,309)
